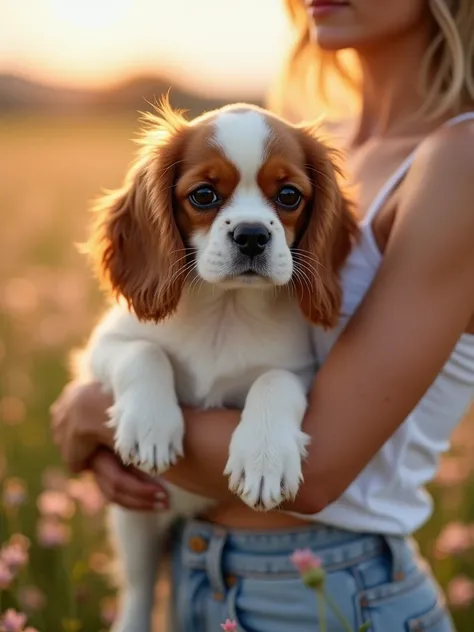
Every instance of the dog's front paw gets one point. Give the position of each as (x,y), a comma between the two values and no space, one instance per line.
(265,470)
(148,434)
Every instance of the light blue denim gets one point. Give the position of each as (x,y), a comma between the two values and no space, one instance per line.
(248,576)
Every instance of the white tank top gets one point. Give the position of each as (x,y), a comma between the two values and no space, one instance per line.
(388,496)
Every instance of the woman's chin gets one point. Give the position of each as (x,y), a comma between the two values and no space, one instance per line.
(332,39)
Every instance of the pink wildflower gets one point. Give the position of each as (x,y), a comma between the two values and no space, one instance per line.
(309,566)
(14,556)
(455,539)
(86,492)
(20,540)
(305,560)
(14,492)
(31,599)
(6,576)
(13,621)
(56,504)
(461,591)
(52,533)
(229,626)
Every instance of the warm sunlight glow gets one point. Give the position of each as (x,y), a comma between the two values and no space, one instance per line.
(89,14)
(213,45)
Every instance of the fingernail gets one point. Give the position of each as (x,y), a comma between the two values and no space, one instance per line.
(160,506)
(161,496)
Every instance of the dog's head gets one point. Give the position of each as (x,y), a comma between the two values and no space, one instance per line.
(238,198)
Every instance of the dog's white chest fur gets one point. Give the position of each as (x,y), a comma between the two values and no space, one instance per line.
(237,337)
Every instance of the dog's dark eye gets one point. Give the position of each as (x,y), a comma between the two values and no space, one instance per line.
(204,198)
(288,198)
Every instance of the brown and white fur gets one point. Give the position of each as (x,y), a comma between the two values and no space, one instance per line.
(215,307)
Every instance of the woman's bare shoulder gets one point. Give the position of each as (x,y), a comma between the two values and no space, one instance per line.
(449,149)
(439,187)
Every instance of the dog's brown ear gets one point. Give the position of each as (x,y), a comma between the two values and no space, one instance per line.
(326,237)
(136,245)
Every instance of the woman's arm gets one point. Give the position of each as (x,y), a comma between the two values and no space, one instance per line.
(420,302)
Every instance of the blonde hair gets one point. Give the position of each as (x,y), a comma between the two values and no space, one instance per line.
(318,78)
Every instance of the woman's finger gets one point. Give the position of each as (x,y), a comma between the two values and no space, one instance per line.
(146,478)
(124,500)
(112,481)
(123,486)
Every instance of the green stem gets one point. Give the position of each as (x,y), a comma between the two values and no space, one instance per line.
(335,608)
(321,610)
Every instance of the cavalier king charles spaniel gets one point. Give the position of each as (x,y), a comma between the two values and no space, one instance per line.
(223,248)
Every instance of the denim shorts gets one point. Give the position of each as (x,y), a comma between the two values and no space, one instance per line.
(247,576)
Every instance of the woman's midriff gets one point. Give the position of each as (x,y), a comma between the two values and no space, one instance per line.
(242,517)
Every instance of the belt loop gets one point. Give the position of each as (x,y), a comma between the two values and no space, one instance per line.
(397,547)
(214,562)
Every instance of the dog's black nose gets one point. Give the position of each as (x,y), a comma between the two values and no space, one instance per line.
(251,238)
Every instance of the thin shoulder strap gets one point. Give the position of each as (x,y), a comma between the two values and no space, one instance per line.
(396,177)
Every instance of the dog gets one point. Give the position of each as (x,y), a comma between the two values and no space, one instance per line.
(223,248)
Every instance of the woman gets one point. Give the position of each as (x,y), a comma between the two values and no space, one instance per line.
(394,382)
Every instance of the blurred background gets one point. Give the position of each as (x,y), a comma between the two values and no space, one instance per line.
(73,76)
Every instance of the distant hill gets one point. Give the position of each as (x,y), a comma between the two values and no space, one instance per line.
(19,94)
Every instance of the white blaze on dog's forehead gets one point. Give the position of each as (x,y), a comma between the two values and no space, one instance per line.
(243,136)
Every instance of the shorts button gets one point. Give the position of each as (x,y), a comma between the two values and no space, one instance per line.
(218,596)
(197,544)
(399,577)
(364,602)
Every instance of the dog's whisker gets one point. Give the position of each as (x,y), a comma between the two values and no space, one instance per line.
(180,259)
(308,255)
(188,268)
(303,282)
(190,249)
(190,271)
(181,271)
(309,266)
(302,274)
(197,281)
(308,273)
(308,261)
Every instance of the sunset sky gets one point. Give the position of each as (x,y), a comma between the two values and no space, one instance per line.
(214,45)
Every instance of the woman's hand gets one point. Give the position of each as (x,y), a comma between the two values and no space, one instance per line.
(79,423)
(79,427)
(127,486)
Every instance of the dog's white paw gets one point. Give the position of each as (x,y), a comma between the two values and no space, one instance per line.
(265,470)
(148,434)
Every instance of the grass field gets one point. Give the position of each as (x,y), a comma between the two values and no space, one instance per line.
(50,169)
